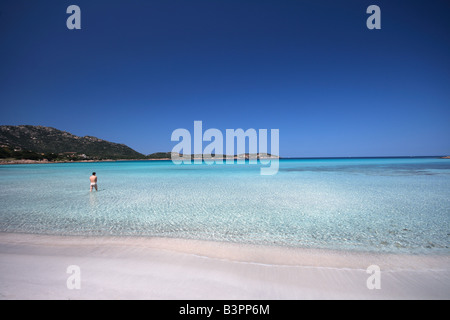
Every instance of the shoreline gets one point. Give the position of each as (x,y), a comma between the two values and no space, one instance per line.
(77,161)
(24,161)
(275,255)
(34,267)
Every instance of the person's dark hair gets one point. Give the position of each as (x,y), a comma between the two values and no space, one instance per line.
(93,173)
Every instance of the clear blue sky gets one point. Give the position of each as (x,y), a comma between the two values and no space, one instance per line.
(137,70)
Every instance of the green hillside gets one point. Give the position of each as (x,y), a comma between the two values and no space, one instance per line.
(29,142)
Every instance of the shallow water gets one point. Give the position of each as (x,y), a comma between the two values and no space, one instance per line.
(379,205)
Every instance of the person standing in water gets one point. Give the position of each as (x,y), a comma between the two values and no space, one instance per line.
(93,180)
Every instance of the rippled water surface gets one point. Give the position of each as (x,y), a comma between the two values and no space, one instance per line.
(386,205)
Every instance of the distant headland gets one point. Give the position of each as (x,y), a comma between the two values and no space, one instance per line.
(26,144)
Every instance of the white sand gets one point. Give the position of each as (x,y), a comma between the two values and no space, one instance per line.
(34,267)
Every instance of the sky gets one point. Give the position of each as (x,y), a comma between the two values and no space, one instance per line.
(137,70)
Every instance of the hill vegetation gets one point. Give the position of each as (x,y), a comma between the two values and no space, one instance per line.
(38,143)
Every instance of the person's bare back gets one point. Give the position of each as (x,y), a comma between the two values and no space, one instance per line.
(93,180)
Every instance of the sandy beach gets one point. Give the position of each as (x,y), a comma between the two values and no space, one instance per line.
(35,267)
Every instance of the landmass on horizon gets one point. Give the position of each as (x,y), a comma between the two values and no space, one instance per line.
(31,144)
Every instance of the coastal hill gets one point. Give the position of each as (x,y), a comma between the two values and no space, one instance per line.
(38,143)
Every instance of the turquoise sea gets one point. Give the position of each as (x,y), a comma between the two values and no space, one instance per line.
(398,205)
